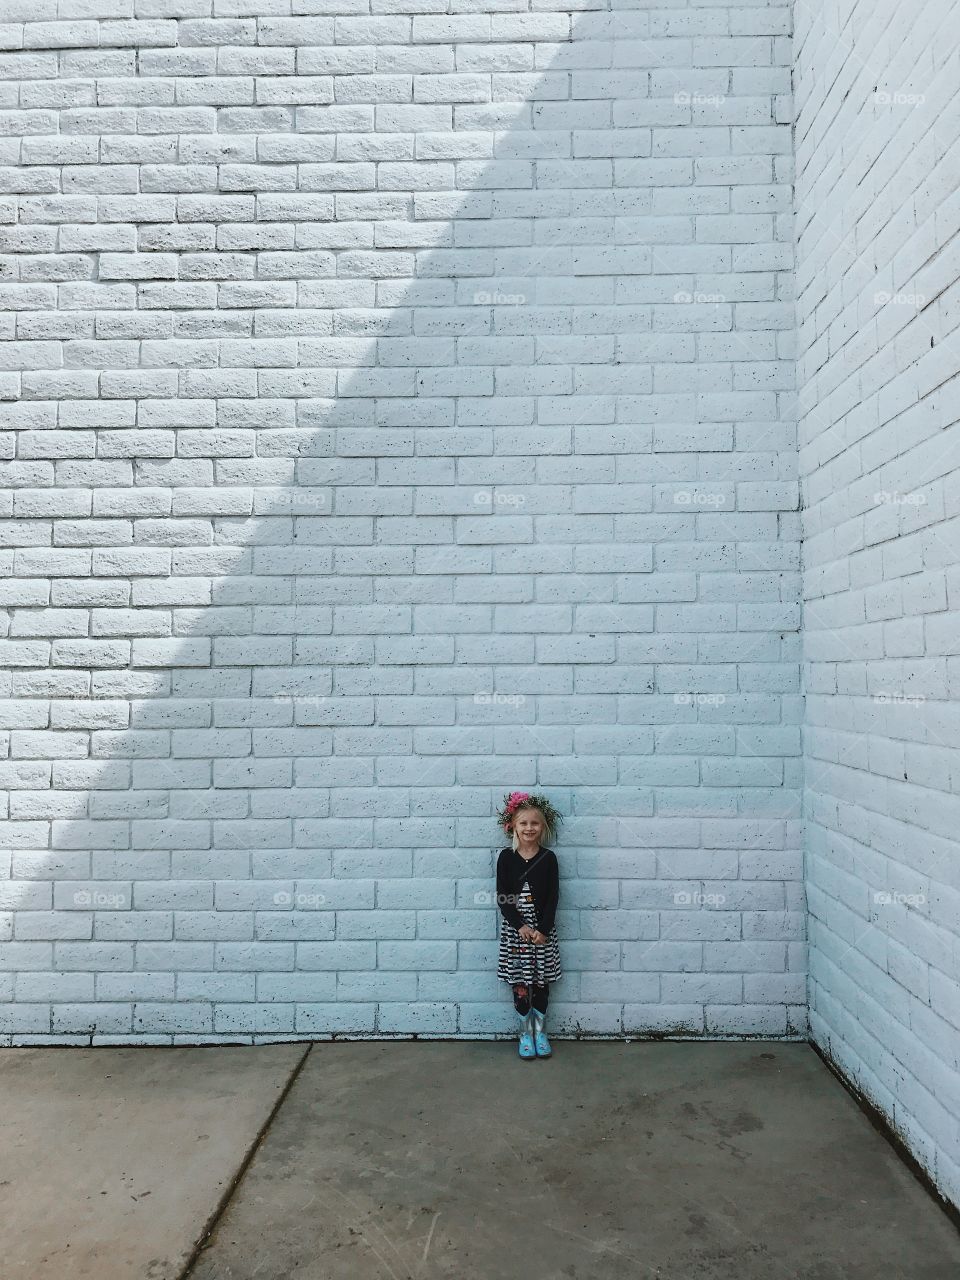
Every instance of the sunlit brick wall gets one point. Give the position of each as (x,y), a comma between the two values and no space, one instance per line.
(398,411)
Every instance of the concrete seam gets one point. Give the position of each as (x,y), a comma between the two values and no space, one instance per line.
(231,1188)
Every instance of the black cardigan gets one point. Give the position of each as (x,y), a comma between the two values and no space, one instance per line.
(541,872)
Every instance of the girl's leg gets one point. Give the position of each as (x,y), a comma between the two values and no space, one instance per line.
(521,997)
(539,997)
(521,1002)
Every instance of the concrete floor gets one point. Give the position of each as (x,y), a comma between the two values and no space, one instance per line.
(457,1161)
(113,1160)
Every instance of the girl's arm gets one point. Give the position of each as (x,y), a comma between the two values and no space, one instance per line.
(505,895)
(553,895)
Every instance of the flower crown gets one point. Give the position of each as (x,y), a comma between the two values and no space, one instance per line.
(524,800)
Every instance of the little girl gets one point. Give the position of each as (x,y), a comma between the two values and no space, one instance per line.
(528,889)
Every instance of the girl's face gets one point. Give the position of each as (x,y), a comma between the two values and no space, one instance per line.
(529,826)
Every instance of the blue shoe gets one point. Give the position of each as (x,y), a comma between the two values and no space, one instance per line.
(526,1049)
(540,1041)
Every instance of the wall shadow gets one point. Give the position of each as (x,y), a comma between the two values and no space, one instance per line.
(463,465)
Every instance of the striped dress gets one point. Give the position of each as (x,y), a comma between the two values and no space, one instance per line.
(520,961)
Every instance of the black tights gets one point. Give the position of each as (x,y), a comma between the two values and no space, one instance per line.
(522,997)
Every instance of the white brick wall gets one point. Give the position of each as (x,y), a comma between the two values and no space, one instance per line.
(397,407)
(879,351)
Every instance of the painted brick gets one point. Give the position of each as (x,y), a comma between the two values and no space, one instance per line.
(873,314)
(400,411)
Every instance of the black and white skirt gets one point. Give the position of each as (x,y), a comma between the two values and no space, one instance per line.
(520,961)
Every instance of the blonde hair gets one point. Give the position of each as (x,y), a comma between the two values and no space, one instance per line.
(545,826)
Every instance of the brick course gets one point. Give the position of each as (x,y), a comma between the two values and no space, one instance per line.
(398,406)
(878,357)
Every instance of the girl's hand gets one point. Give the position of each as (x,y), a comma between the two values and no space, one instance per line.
(527,933)
(539,938)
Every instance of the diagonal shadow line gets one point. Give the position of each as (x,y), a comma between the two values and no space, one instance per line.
(348,388)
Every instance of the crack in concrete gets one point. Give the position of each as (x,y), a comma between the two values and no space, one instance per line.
(232,1186)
